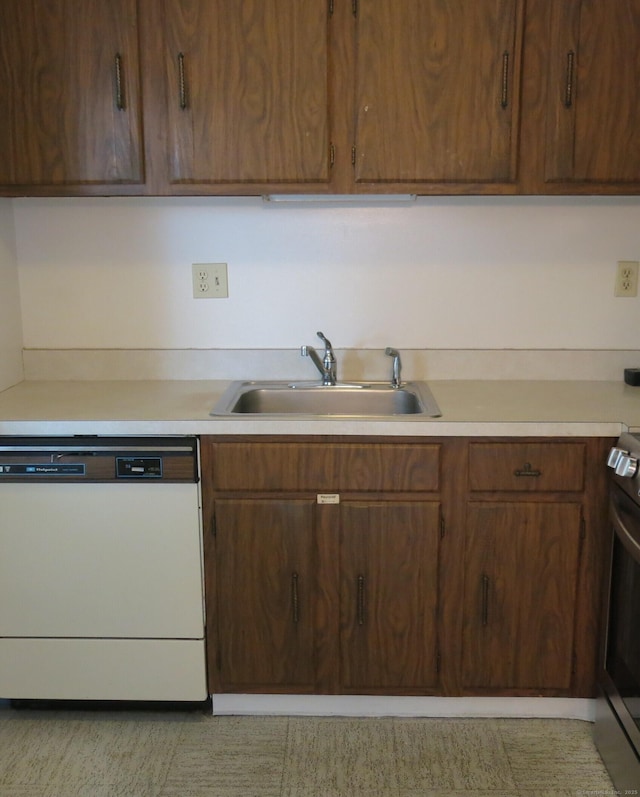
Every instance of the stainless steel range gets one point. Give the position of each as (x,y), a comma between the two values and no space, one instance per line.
(617,728)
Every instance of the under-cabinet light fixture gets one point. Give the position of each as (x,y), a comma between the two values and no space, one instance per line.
(355,199)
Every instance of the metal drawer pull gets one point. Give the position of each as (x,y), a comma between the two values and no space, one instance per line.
(505,79)
(294,597)
(528,471)
(568,90)
(118,79)
(182,82)
(485,600)
(361,608)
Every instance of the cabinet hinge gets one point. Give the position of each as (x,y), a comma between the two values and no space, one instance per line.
(213,526)
(442,527)
(583,527)
(354,7)
(353,155)
(330,8)
(332,155)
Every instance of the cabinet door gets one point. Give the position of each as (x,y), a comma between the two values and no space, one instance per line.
(521,568)
(593,100)
(69,86)
(246,95)
(389,595)
(264,559)
(437,90)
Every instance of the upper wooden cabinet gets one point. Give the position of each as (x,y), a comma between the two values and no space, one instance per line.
(69,94)
(437,91)
(592,130)
(246,91)
(319,96)
(580,125)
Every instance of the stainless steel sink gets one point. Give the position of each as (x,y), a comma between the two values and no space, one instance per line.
(354,400)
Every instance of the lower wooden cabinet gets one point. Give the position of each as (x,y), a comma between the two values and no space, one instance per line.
(404,566)
(389,595)
(268,595)
(532,552)
(264,584)
(521,569)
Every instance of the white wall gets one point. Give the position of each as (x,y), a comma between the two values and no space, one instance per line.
(485,273)
(10,322)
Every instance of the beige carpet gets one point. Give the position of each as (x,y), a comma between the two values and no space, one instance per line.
(176,755)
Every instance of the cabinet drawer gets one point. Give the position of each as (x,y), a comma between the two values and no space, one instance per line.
(531,467)
(326,467)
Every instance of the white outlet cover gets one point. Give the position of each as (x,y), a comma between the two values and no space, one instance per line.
(209,280)
(626,278)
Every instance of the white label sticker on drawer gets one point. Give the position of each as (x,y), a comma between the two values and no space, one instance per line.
(328,498)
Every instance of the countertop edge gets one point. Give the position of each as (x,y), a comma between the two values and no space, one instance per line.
(535,408)
(311,428)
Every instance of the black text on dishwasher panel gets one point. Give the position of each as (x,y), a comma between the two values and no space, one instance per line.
(139,467)
(44,469)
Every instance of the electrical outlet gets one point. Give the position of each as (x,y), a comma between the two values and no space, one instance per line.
(209,280)
(627,278)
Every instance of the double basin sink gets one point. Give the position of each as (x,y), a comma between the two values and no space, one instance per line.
(352,400)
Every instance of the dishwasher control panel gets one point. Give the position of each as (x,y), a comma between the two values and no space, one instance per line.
(98,459)
(139,467)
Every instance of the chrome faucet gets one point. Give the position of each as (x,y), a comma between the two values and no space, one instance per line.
(397,366)
(327,366)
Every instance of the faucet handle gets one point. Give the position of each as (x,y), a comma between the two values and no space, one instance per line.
(328,365)
(326,341)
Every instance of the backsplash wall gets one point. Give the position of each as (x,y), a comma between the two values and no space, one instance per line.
(10,322)
(442,273)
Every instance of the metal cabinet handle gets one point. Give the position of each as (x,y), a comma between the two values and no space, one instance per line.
(527,470)
(118,82)
(568,88)
(485,600)
(504,101)
(361,606)
(294,598)
(182,82)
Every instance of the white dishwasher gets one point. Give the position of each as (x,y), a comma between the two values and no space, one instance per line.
(101,588)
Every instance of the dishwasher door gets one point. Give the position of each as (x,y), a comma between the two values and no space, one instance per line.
(101,592)
(100,560)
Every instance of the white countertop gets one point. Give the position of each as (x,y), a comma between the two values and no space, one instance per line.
(492,407)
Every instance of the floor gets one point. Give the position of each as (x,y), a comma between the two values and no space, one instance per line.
(112,754)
